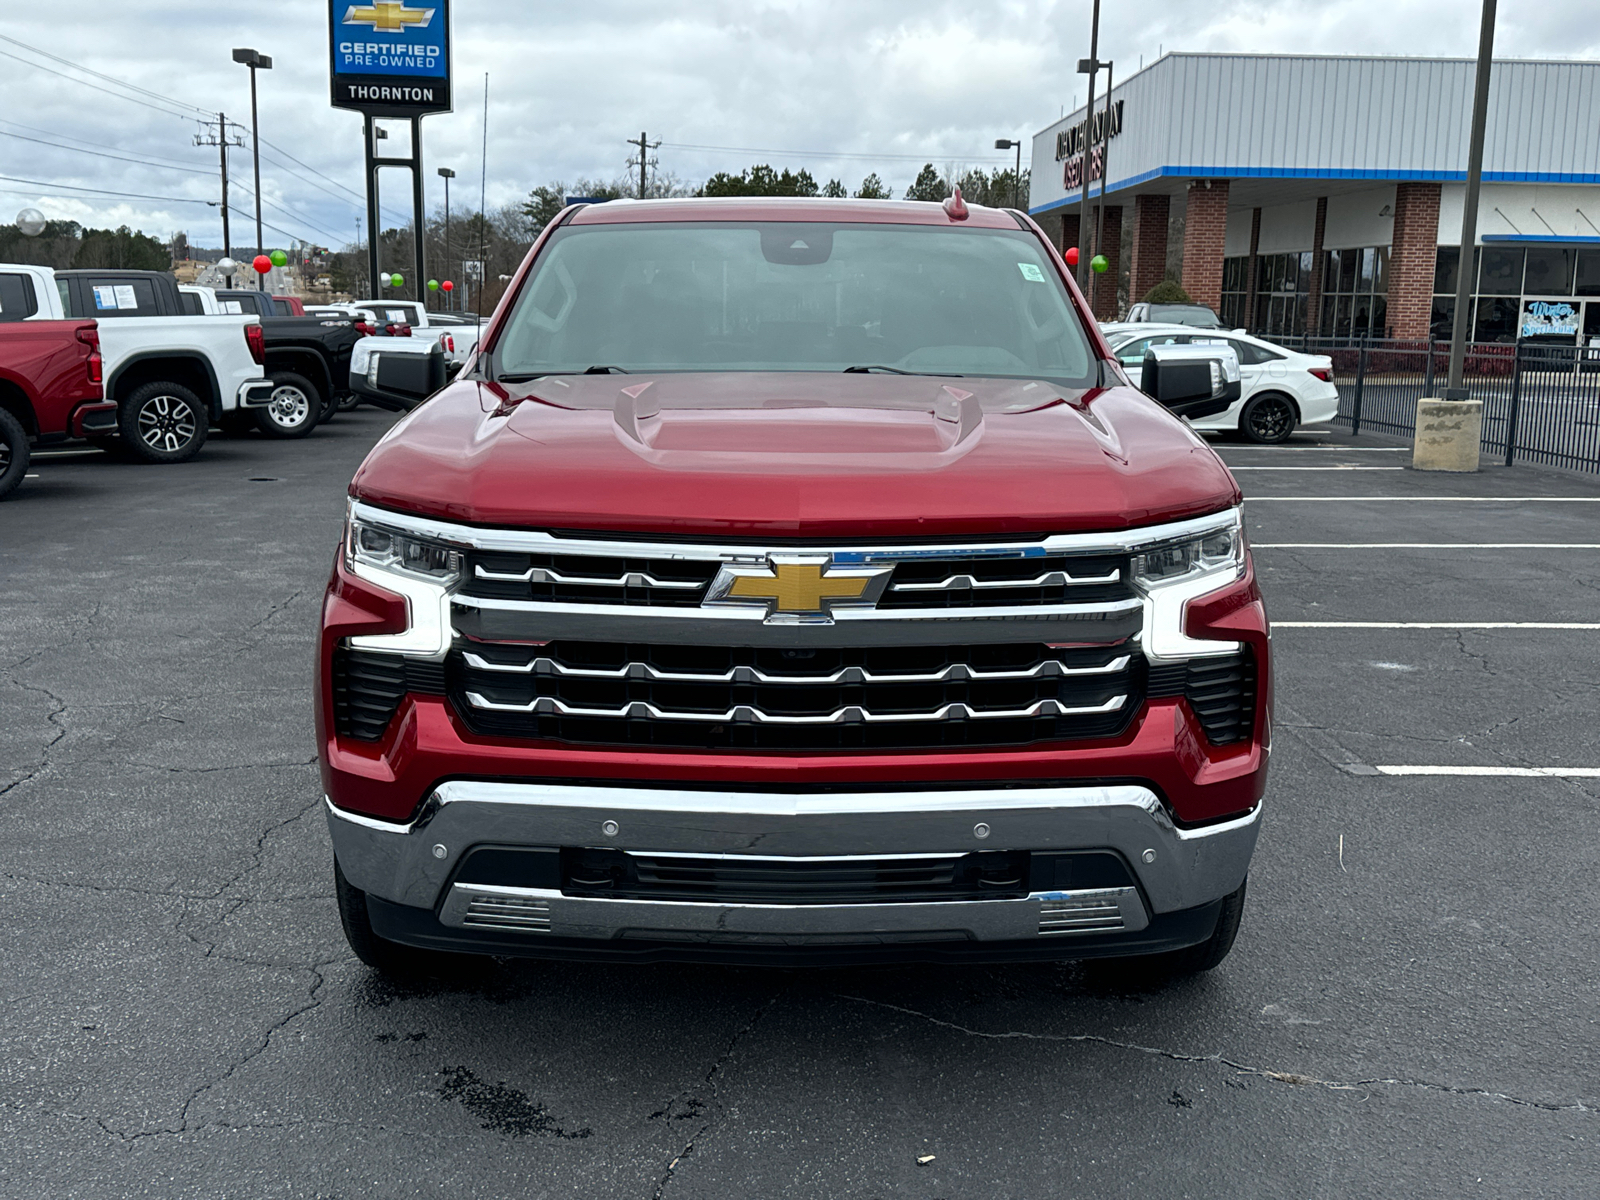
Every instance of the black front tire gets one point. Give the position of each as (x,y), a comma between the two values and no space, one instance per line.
(14,453)
(330,409)
(163,423)
(379,953)
(294,408)
(1268,419)
(1154,970)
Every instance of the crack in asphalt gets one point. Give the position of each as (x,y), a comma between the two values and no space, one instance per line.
(1289,1077)
(53,717)
(695,1105)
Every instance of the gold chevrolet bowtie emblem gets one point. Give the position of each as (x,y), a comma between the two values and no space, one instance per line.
(800,586)
(387,16)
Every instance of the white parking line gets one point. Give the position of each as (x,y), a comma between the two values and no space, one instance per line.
(1511,772)
(1441,499)
(1231,467)
(1425,545)
(1320,449)
(1436,624)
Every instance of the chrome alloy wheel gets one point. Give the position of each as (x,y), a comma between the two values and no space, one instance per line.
(166,423)
(289,406)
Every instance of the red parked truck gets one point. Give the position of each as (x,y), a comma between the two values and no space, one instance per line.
(51,388)
(796,581)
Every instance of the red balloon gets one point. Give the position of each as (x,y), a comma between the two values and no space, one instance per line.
(1072,256)
(447,286)
(262,264)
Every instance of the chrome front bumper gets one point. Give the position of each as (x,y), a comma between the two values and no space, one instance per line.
(411,864)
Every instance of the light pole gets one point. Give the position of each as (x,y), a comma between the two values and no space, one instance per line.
(1016,179)
(256,62)
(1087,66)
(447,175)
(1460,331)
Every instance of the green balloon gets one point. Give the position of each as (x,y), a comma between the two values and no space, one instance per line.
(433,285)
(278,257)
(1098,264)
(396,281)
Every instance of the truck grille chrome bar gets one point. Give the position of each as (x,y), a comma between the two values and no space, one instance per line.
(550,575)
(1048,579)
(955,672)
(848,714)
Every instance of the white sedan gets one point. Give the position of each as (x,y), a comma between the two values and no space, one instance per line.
(1282,389)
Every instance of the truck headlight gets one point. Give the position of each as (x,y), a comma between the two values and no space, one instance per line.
(380,550)
(388,549)
(1174,572)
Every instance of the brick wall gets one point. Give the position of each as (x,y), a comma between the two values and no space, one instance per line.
(1147,262)
(1205,238)
(1412,258)
(1069,231)
(1103,293)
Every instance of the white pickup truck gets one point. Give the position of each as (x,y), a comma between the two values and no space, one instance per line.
(171,376)
(454,337)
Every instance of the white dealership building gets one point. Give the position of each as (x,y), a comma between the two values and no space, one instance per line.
(1324,194)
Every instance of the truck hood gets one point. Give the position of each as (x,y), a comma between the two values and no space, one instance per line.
(794,455)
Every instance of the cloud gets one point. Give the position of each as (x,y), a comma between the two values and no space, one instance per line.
(925,79)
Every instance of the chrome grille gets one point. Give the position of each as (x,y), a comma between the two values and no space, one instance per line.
(1084,912)
(588,579)
(742,697)
(1022,580)
(508,912)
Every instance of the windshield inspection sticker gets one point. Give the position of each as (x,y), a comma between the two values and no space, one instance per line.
(1031,273)
(105,297)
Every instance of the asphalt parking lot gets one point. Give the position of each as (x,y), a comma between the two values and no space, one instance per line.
(1410,1009)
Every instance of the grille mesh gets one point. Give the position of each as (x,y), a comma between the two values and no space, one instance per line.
(367,689)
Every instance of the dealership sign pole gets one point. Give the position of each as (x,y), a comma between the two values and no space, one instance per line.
(391,59)
(1469,210)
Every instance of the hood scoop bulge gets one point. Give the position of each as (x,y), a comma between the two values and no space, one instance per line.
(784,434)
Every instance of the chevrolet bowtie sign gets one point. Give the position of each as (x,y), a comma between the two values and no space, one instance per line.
(391,58)
(798,588)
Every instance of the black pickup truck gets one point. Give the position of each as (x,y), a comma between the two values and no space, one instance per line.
(308,358)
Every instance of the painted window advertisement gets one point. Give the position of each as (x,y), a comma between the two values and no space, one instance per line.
(1544,318)
(391,55)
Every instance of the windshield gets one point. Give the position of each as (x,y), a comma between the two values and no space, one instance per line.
(1197,315)
(775,296)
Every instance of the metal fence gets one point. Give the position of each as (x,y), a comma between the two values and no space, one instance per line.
(1541,403)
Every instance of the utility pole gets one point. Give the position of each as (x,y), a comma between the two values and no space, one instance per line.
(1087,66)
(1016,178)
(1456,389)
(645,162)
(1100,212)
(447,175)
(255,62)
(222,142)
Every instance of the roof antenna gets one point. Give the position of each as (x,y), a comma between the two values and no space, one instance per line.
(955,207)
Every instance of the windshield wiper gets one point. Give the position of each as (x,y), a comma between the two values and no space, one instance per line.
(871,367)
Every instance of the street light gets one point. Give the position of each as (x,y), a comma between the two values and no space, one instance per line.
(1016,179)
(256,62)
(447,175)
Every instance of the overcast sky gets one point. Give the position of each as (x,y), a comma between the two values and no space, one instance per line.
(864,85)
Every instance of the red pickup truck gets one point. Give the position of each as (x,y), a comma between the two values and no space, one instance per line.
(51,388)
(796,581)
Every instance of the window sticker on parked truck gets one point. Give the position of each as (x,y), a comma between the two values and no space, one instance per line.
(125,296)
(105,297)
(1031,273)
(233,308)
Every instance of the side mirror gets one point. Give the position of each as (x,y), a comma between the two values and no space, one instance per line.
(396,373)
(1193,381)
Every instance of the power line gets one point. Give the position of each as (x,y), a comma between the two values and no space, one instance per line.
(122,83)
(53,133)
(102,154)
(85,83)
